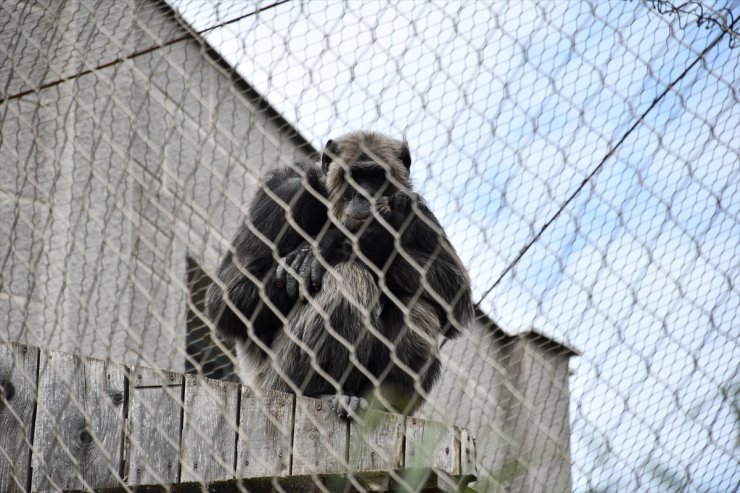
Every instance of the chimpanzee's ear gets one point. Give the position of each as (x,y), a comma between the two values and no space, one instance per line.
(405,155)
(330,152)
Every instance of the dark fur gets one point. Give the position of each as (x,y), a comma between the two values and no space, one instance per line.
(369,323)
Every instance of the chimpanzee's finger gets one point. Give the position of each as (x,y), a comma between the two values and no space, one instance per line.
(302,268)
(317,274)
(291,284)
(280,277)
(281,272)
(383,206)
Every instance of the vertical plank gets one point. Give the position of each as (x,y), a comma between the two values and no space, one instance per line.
(209,429)
(265,433)
(79,423)
(376,442)
(105,411)
(17,397)
(431,444)
(319,438)
(154,426)
(468,458)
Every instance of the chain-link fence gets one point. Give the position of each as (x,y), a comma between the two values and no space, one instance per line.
(582,159)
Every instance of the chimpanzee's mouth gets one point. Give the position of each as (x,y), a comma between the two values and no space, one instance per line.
(354,223)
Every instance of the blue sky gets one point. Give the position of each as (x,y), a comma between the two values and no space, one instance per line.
(507,109)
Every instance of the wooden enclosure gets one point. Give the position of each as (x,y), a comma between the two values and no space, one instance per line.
(75,423)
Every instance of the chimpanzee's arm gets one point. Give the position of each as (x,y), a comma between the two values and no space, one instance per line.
(252,251)
(446,285)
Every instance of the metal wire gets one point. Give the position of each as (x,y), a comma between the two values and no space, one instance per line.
(581,157)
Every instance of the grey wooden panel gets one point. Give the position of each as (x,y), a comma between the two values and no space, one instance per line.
(319,438)
(209,429)
(376,442)
(141,376)
(468,458)
(432,444)
(265,433)
(155,419)
(79,423)
(17,399)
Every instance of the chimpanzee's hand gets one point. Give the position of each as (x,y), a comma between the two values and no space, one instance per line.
(347,407)
(302,263)
(396,208)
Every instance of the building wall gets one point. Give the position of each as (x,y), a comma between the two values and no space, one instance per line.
(511,392)
(125,149)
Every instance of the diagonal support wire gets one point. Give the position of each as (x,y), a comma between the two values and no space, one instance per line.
(606,157)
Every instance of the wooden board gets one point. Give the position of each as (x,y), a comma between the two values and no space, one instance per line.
(155,420)
(209,429)
(468,458)
(265,433)
(432,444)
(18,366)
(376,442)
(319,438)
(79,423)
(185,429)
(141,377)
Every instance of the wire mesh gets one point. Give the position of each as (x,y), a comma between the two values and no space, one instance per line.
(581,157)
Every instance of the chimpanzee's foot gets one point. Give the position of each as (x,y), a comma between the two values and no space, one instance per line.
(344,405)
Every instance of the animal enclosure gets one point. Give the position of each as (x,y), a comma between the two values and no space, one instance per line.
(581,158)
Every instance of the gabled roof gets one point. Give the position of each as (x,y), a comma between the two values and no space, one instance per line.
(532,334)
(245,88)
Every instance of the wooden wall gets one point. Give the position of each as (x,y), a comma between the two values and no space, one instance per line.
(69,422)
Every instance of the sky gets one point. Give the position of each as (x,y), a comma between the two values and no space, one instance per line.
(508,109)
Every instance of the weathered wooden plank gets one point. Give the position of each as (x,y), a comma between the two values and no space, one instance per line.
(79,431)
(141,376)
(265,433)
(17,398)
(155,419)
(79,423)
(432,444)
(376,442)
(319,438)
(468,458)
(209,429)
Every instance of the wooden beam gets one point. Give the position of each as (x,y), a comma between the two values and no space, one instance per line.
(265,433)
(432,444)
(154,424)
(467,454)
(79,423)
(376,442)
(209,429)
(319,438)
(18,365)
